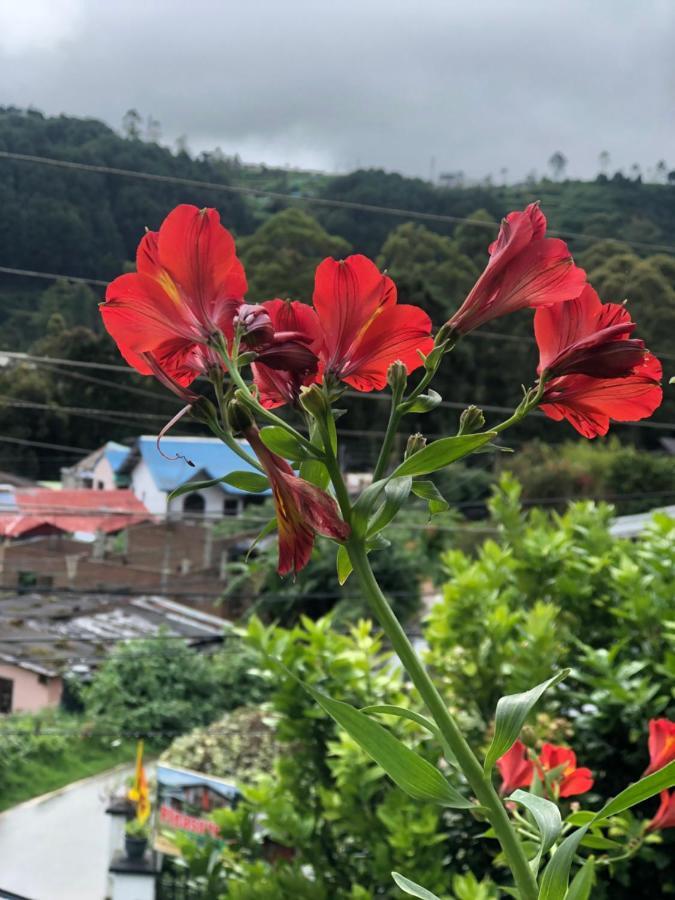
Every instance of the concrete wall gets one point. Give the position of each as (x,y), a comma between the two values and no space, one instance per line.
(144,487)
(29,694)
(104,477)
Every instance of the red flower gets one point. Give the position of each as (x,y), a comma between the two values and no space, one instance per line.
(589,403)
(661,744)
(665,815)
(303,510)
(587,337)
(187,287)
(525,269)
(569,780)
(516,768)
(290,360)
(364,329)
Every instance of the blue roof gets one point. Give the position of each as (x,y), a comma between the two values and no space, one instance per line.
(210,457)
(116,454)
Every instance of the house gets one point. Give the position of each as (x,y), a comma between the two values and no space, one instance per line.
(152,476)
(99,470)
(632,526)
(30,512)
(43,637)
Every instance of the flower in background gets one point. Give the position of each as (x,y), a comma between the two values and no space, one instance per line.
(665,815)
(595,370)
(364,328)
(290,359)
(302,509)
(516,769)
(661,744)
(186,289)
(525,269)
(560,764)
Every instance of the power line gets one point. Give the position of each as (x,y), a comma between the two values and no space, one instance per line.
(45,445)
(318,201)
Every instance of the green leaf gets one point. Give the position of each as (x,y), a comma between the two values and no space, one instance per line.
(547,817)
(557,872)
(428,491)
(636,793)
(344,564)
(194,486)
(412,888)
(422,404)
(265,530)
(512,711)
(409,771)
(583,881)
(311,469)
(281,442)
(252,482)
(365,504)
(599,842)
(441,453)
(413,716)
(396,492)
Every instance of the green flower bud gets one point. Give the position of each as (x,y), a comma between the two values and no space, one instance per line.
(397,378)
(471,421)
(416,442)
(313,399)
(238,417)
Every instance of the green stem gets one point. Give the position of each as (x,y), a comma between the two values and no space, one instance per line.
(395,416)
(530,402)
(471,767)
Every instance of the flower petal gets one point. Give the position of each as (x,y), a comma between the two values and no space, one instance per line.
(577,782)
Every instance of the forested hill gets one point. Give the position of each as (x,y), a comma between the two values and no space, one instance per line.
(70,221)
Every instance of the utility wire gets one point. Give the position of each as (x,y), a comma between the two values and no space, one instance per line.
(318,201)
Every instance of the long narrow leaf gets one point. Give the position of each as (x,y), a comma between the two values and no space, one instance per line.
(583,881)
(557,872)
(413,716)
(636,793)
(396,492)
(512,711)
(410,772)
(412,888)
(441,453)
(547,817)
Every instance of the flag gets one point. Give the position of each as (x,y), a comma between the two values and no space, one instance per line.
(139,793)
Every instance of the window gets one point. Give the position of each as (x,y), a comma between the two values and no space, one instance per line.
(100,486)
(6,695)
(230,506)
(194,504)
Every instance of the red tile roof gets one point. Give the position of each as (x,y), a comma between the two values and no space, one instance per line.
(41,510)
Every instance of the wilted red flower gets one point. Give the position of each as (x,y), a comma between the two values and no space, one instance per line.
(665,815)
(187,287)
(516,769)
(255,324)
(303,510)
(364,329)
(590,403)
(661,744)
(569,779)
(525,269)
(291,359)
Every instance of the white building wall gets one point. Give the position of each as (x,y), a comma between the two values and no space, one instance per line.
(103,476)
(144,487)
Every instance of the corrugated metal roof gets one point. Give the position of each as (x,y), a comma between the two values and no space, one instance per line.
(116,454)
(71,511)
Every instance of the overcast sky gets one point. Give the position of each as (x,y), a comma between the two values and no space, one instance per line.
(478,86)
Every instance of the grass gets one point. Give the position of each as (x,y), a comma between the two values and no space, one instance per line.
(35,761)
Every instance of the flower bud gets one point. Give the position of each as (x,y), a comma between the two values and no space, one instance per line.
(397,378)
(314,401)
(238,417)
(254,324)
(416,442)
(471,421)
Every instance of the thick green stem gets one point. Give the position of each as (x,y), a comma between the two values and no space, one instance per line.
(470,766)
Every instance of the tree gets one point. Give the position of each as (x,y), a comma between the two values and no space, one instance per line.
(557,163)
(281,256)
(131,124)
(604,160)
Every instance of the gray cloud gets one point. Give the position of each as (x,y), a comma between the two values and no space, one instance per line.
(477,85)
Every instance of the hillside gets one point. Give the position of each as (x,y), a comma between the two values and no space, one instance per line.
(84,223)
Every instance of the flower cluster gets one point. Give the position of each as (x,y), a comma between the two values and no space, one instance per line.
(183,315)
(555,773)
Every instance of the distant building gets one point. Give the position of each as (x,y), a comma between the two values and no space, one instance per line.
(152,476)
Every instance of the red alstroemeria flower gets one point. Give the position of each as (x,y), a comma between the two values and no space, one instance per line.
(303,510)
(516,769)
(187,287)
(590,403)
(525,269)
(290,360)
(661,744)
(364,329)
(665,815)
(570,780)
(587,337)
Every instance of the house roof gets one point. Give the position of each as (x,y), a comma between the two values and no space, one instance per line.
(87,511)
(208,458)
(48,634)
(116,454)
